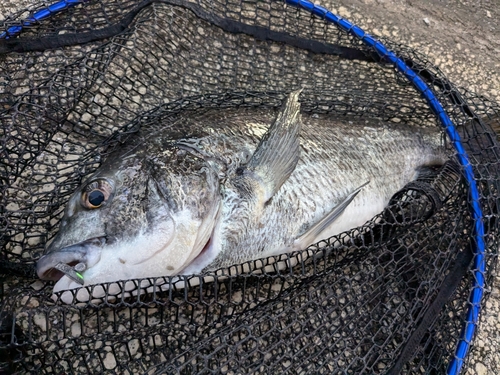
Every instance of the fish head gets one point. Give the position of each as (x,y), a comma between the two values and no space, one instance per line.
(139,215)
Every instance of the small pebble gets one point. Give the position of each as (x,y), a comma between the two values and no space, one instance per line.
(76,330)
(109,361)
(481,369)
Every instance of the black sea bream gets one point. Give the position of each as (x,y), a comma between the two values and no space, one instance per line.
(217,187)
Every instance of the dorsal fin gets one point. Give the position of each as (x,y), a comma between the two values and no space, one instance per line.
(277,154)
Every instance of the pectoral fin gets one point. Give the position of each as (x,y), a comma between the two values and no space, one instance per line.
(315,231)
(276,156)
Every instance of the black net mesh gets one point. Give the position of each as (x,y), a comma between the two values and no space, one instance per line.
(393,297)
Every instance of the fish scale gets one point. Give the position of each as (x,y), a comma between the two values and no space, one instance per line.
(310,186)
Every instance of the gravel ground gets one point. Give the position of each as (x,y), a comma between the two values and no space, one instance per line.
(463,39)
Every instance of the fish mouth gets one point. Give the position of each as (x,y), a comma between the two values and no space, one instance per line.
(86,252)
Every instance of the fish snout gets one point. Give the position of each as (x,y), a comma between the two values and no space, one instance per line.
(86,253)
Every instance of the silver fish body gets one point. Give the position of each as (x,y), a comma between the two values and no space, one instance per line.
(212,188)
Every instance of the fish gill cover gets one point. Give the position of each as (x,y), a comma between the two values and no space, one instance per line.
(81,78)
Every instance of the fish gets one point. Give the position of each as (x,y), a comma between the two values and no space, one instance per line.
(205,189)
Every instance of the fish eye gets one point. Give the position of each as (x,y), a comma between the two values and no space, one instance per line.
(96,197)
(96,193)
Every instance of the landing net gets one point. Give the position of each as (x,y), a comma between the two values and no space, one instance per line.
(402,294)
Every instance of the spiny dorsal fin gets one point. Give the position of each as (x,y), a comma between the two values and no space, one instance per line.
(277,154)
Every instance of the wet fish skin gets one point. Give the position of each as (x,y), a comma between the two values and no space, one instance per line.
(213,188)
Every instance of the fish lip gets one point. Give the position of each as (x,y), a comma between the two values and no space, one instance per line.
(71,255)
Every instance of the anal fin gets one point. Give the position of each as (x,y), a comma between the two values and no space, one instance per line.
(312,233)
